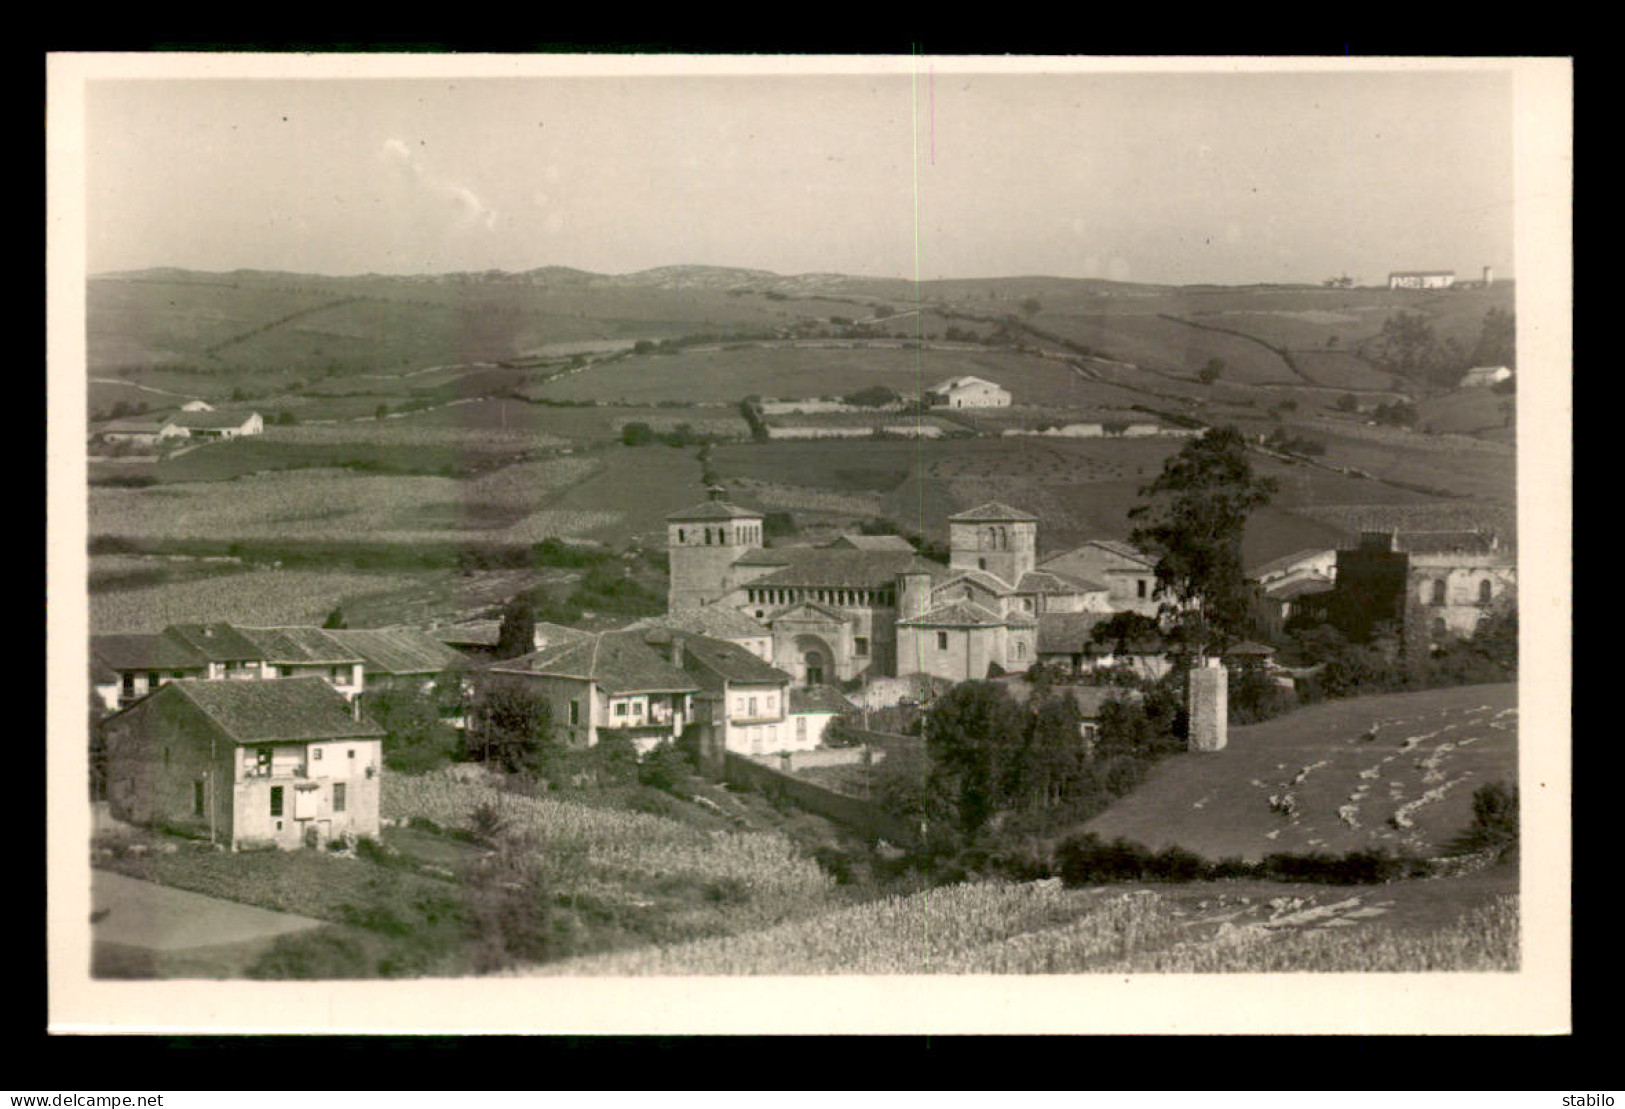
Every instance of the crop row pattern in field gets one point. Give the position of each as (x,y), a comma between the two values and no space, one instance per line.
(624,847)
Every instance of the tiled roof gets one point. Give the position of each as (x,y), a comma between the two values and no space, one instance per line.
(1298,587)
(1287,562)
(958,615)
(397,650)
(818,698)
(715,510)
(994,511)
(1126,550)
(875,543)
(991,582)
(145,652)
(841,569)
(961,382)
(209,419)
(1066,633)
(1053,581)
(620,662)
(293,710)
(479,633)
(719,621)
(729,661)
(302,645)
(216,642)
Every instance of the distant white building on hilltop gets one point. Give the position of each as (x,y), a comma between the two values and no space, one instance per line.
(967,392)
(1421,279)
(1480,377)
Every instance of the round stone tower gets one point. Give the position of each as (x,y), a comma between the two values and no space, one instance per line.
(703,543)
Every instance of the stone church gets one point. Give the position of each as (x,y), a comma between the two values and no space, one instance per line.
(870,605)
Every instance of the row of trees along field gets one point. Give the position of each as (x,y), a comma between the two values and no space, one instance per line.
(1408,346)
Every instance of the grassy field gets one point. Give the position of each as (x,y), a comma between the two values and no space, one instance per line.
(1410,788)
(1154,342)
(1467,412)
(597,422)
(730,375)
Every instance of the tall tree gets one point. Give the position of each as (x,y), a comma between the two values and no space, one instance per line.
(973,734)
(1497,340)
(517,635)
(1193,518)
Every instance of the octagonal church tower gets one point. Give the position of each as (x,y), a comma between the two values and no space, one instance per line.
(994,538)
(703,543)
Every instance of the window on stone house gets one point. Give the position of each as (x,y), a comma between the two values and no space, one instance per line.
(1484,592)
(316,754)
(942,641)
(129,685)
(620,708)
(276,800)
(1438,592)
(1139,588)
(198,788)
(338,797)
(860,646)
(751,710)
(575,713)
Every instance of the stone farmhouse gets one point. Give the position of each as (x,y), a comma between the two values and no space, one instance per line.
(870,610)
(967,392)
(1429,584)
(249,764)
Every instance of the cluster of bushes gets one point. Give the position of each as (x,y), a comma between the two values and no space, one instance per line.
(636,434)
(750,409)
(1283,440)
(1088,860)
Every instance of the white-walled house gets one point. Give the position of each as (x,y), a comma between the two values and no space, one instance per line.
(967,392)
(286,763)
(608,682)
(208,424)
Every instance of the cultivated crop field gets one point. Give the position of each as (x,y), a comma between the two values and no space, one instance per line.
(249,597)
(617,856)
(1408,787)
(341,505)
(1041,928)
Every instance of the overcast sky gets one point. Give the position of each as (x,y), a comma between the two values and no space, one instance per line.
(1177,178)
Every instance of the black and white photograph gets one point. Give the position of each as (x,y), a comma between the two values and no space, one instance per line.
(755,544)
